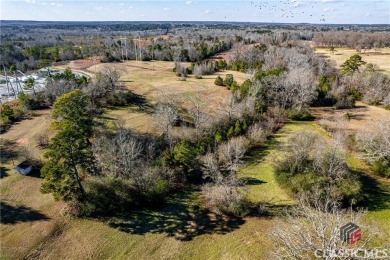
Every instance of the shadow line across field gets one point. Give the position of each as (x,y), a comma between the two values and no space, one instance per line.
(180,218)
(16,214)
(376,193)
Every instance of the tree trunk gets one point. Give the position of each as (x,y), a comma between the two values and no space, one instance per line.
(76,173)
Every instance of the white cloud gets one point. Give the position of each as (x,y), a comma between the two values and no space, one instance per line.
(189,2)
(207,12)
(367,14)
(56,4)
(30,1)
(130,7)
(166,8)
(121,4)
(329,9)
(99,7)
(296,3)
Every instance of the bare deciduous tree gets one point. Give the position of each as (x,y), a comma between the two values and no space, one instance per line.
(166,115)
(312,229)
(120,154)
(230,154)
(198,111)
(257,134)
(375,141)
(224,199)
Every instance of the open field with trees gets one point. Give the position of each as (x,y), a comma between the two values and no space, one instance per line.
(180,154)
(379,58)
(177,230)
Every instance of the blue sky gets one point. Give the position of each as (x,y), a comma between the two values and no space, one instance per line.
(285,11)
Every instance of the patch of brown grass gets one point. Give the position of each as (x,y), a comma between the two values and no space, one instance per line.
(380,57)
(152,80)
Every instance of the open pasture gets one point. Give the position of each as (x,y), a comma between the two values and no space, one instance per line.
(380,57)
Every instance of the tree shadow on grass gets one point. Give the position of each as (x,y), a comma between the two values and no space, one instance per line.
(257,154)
(180,219)
(251,181)
(269,209)
(376,195)
(8,150)
(12,215)
(3,172)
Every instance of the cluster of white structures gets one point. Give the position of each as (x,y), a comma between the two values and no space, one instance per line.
(11,86)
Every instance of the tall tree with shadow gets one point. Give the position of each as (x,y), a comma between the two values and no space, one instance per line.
(70,156)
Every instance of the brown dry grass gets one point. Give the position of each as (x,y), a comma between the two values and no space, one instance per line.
(359,117)
(380,57)
(55,236)
(25,132)
(152,80)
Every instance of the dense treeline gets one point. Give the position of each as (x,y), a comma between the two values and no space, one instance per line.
(35,45)
(354,40)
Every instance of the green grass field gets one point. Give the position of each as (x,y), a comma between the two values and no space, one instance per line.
(182,229)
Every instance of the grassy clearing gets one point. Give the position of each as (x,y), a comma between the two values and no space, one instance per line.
(262,186)
(380,58)
(181,229)
(376,190)
(152,80)
(352,120)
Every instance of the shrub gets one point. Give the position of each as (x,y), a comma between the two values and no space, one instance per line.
(234,86)
(381,168)
(345,102)
(218,137)
(237,128)
(225,199)
(256,134)
(28,102)
(180,70)
(6,114)
(219,81)
(244,88)
(230,132)
(300,115)
(105,196)
(43,139)
(184,155)
(158,192)
(228,80)
(120,98)
(309,164)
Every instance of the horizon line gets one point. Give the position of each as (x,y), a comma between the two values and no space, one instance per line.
(180,21)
